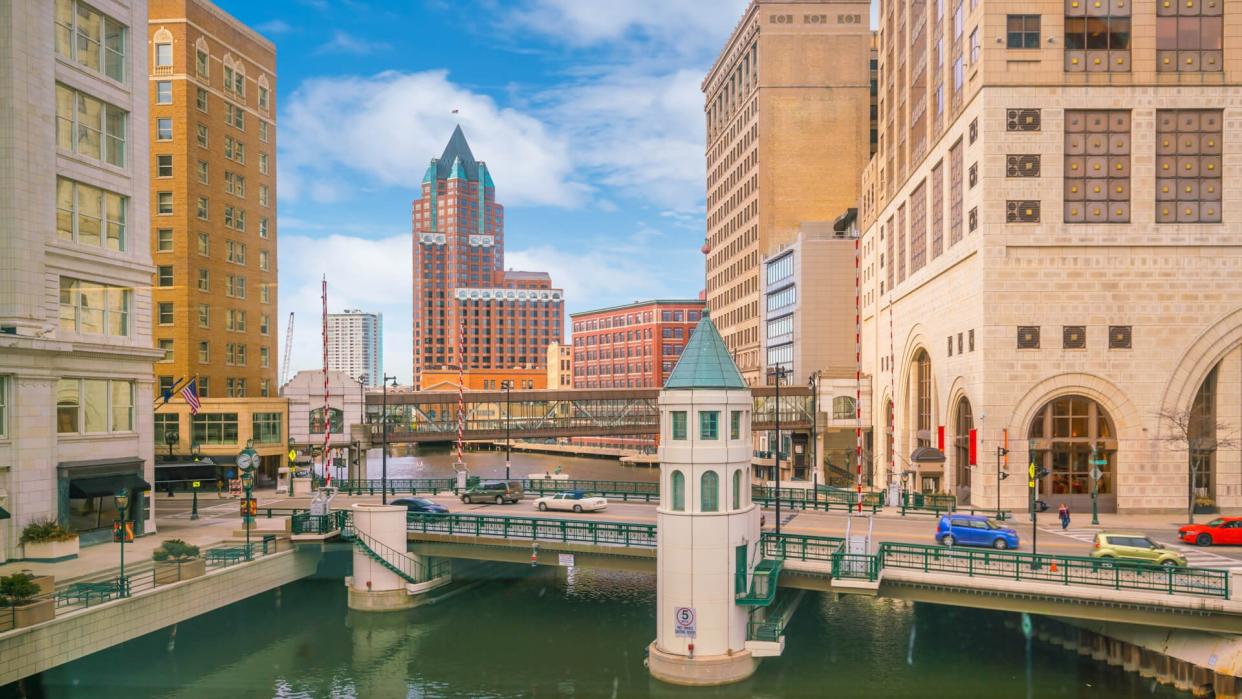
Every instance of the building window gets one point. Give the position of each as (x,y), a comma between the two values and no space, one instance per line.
(1022,31)
(164,275)
(202,135)
(204,244)
(1099,43)
(215,428)
(1119,336)
(163,166)
(923,399)
(1189,35)
(265,388)
(165,314)
(90,127)
(264,324)
(971,336)
(679,489)
(90,216)
(201,209)
(166,424)
(264,97)
(1028,337)
(737,489)
(972,219)
(974,48)
(918,227)
(1069,432)
(955,193)
(263,131)
(1188,165)
(204,352)
(163,203)
(94,406)
(735,425)
(709,424)
(843,408)
(204,315)
(4,406)
(163,92)
(266,428)
(973,131)
(937,210)
(94,309)
(264,362)
(679,424)
(203,172)
(780,269)
(335,417)
(204,387)
(263,195)
(263,227)
(709,492)
(164,240)
(972,175)
(1097,166)
(163,55)
(200,99)
(202,64)
(163,129)
(204,280)
(90,38)
(167,347)
(263,263)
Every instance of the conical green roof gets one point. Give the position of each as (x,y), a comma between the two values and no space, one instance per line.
(705,363)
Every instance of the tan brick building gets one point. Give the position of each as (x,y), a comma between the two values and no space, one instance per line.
(213,200)
(1052,247)
(787,105)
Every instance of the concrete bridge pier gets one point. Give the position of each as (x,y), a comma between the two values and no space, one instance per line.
(373,587)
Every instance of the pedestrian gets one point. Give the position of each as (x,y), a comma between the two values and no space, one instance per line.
(1063,513)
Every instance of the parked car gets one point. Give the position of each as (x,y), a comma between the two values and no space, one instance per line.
(575,500)
(1222,530)
(974,530)
(420,505)
(499,492)
(1135,547)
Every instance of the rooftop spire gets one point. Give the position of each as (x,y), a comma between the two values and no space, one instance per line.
(457,150)
(706,362)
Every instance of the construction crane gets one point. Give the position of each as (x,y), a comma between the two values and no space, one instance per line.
(284,365)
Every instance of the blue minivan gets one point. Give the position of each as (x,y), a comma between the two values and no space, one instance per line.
(974,530)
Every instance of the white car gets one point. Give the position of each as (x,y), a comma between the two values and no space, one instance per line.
(575,500)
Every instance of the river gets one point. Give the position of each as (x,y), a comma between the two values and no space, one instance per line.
(522,632)
(437,462)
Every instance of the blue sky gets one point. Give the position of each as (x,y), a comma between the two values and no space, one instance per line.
(588,113)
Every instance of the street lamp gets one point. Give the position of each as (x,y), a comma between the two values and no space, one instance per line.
(194,452)
(245,463)
(122,503)
(775,375)
(1034,473)
(171,437)
(813,382)
(507,384)
(362,413)
(384,417)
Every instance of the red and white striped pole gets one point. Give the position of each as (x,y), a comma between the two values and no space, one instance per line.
(327,413)
(858,365)
(461,397)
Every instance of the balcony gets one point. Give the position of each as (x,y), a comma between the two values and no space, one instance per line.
(162,71)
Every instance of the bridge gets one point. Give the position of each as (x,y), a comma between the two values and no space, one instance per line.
(431,416)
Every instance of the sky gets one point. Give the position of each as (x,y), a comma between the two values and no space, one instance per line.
(587,112)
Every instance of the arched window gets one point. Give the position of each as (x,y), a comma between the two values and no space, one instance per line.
(679,491)
(737,489)
(1201,438)
(335,416)
(843,408)
(1067,433)
(961,451)
(709,492)
(923,406)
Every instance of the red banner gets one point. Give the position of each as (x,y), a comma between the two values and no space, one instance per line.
(940,438)
(974,441)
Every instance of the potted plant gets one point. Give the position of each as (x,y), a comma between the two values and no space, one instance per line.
(176,560)
(1205,506)
(47,541)
(19,593)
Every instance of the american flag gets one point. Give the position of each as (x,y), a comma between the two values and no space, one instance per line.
(190,394)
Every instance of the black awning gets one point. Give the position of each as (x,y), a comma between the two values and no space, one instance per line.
(98,486)
(927,455)
(4,514)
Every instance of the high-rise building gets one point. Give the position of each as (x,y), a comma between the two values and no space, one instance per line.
(212,84)
(631,346)
(75,304)
(356,345)
(787,106)
(560,365)
(1051,253)
(468,309)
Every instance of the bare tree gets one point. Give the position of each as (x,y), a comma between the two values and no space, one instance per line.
(1201,437)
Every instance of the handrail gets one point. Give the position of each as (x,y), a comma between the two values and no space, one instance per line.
(800,547)
(407,567)
(627,534)
(1066,570)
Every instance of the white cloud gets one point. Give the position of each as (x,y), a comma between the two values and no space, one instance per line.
(386,128)
(683,26)
(344,42)
(371,275)
(274,27)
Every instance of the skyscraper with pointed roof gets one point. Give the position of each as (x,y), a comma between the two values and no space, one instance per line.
(468,310)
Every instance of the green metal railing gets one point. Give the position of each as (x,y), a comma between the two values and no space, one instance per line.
(768,624)
(795,500)
(1067,570)
(396,486)
(407,567)
(646,491)
(763,581)
(855,566)
(306,523)
(926,502)
(849,496)
(535,529)
(799,547)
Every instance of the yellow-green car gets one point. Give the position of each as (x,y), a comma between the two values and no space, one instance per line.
(1135,547)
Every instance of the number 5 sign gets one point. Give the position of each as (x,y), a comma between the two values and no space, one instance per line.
(685,620)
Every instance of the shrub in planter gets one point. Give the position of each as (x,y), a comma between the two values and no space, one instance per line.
(176,560)
(47,540)
(19,591)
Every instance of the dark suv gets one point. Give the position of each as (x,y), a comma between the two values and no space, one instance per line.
(499,492)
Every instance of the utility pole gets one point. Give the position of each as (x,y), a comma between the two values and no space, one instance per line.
(384,459)
(1096,463)
(1000,475)
(507,384)
(776,374)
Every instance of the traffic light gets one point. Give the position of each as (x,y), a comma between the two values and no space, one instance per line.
(249,507)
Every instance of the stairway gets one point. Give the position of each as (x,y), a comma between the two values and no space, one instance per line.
(400,563)
(762,584)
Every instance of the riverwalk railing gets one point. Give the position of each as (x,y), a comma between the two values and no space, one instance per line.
(1066,570)
(594,532)
(799,547)
(396,486)
(304,522)
(139,578)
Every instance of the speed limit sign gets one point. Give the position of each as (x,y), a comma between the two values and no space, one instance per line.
(685,621)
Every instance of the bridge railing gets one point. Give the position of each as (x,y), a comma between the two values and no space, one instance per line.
(799,547)
(1066,570)
(535,529)
(396,486)
(625,490)
(307,523)
(798,500)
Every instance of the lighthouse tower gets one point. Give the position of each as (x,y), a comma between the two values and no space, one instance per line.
(708,527)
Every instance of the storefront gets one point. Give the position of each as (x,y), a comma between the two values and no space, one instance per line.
(87,496)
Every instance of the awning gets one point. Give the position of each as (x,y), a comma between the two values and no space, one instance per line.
(927,455)
(106,485)
(202,461)
(4,514)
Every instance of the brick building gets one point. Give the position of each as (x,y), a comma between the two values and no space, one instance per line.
(788,125)
(632,346)
(467,307)
(1052,253)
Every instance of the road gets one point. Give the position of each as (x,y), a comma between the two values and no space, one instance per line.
(913,528)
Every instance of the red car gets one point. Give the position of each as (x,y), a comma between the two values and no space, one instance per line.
(1222,530)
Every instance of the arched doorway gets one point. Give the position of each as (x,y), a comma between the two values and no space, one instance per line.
(1067,432)
(963,424)
(1201,441)
(930,474)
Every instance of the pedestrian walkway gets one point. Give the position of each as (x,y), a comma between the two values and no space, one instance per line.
(1196,556)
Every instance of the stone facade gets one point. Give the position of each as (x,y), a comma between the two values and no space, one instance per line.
(987,297)
(786,102)
(46,257)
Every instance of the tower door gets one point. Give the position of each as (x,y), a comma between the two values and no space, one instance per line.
(739,570)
